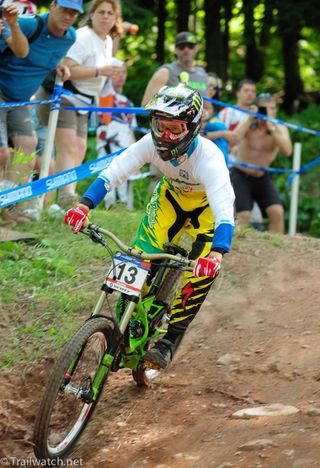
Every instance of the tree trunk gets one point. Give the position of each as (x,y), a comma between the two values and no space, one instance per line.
(254,58)
(268,21)
(293,88)
(161,14)
(226,39)
(183,13)
(214,37)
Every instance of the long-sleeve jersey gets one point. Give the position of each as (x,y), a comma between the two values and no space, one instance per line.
(203,169)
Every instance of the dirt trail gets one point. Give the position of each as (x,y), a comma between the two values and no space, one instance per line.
(262,320)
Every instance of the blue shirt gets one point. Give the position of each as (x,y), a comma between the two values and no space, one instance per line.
(216,125)
(21,77)
(5,33)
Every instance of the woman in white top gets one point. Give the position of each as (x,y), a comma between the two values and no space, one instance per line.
(90,63)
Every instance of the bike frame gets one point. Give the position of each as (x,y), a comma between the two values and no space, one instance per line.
(138,307)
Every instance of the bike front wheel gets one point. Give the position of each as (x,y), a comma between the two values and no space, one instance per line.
(67,403)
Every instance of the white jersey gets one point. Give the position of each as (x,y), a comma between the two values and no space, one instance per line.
(204,170)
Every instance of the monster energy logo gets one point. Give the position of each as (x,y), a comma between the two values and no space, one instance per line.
(196,101)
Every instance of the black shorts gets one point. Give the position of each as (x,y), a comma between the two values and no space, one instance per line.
(249,189)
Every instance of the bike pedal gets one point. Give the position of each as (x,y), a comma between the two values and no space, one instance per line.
(151,365)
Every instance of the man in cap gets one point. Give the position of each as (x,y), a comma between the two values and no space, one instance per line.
(183,69)
(50,36)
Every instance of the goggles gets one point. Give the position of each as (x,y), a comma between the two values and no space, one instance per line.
(169,130)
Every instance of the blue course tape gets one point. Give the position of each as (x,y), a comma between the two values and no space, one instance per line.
(260,168)
(39,187)
(303,169)
(274,170)
(115,110)
(264,117)
(26,103)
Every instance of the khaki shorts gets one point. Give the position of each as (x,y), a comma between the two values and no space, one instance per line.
(14,121)
(66,119)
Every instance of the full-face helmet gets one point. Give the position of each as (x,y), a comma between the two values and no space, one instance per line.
(175,119)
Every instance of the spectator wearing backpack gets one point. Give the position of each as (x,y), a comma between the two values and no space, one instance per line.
(50,36)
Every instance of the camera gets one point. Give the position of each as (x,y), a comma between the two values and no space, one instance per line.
(262,110)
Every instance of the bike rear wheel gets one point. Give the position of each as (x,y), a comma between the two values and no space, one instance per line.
(67,405)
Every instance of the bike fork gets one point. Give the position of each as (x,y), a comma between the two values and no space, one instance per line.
(127,314)
(97,308)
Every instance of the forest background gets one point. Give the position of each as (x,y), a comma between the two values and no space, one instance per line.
(274,42)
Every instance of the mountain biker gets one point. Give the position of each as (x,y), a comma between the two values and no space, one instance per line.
(195,195)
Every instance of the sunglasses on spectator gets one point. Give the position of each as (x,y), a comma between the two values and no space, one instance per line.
(187,44)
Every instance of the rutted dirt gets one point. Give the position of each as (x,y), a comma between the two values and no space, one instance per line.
(264,314)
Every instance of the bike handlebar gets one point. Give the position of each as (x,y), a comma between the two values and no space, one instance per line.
(189,264)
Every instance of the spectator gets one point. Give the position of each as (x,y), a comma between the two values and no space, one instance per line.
(15,42)
(183,69)
(117,134)
(89,60)
(214,128)
(246,95)
(55,37)
(260,141)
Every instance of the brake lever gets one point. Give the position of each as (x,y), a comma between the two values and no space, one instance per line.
(94,236)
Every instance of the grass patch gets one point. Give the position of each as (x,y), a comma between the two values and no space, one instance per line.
(49,287)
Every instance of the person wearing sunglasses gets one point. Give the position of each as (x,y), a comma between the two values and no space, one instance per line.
(184,69)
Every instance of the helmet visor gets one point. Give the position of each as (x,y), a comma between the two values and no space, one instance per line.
(169,130)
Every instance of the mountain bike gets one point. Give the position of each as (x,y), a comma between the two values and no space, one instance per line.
(112,338)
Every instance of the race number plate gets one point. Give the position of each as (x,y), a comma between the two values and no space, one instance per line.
(127,274)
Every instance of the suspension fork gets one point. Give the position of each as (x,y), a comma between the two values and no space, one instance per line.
(133,300)
(99,304)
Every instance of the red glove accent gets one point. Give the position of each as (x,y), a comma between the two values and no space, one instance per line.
(206,267)
(76,217)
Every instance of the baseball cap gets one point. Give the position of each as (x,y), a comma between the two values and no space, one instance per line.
(186,37)
(73,4)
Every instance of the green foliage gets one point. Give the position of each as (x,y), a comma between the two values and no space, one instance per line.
(48,288)
(308,208)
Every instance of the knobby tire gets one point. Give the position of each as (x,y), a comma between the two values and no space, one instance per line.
(93,337)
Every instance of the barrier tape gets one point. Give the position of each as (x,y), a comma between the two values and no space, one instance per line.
(53,182)
(27,103)
(264,117)
(115,110)
(261,168)
(274,170)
